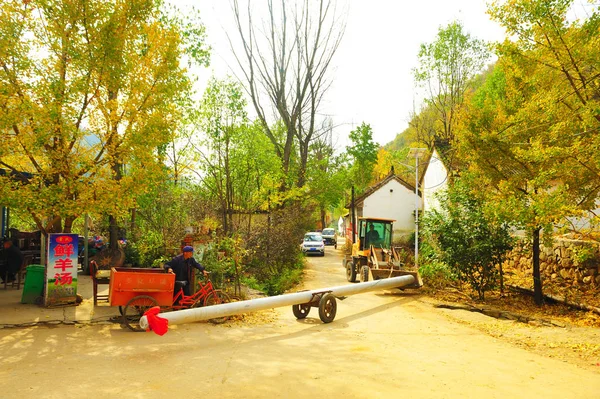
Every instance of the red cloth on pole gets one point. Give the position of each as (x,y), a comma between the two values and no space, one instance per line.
(155,323)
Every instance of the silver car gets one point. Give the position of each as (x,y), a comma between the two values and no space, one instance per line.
(313,244)
(329,237)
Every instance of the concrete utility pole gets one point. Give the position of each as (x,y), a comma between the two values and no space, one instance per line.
(298,298)
(417,153)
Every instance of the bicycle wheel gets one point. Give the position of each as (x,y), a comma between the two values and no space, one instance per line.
(217,297)
(135,309)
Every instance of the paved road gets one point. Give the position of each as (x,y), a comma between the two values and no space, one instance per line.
(386,344)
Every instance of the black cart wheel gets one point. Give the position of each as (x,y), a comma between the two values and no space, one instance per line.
(350,271)
(364,274)
(301,311)
(217,297)
(327,308)
(135,309)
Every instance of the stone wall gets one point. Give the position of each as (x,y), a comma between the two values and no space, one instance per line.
(567,264)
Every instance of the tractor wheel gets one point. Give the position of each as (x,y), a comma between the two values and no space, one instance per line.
(327,308)
(301,311)
(364,274)
(350,271)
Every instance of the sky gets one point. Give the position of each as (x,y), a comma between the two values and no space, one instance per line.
(372,76)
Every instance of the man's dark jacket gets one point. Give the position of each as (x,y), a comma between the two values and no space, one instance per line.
(183,267)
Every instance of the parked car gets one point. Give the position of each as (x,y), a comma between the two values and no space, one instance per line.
(329,237)
(313,244)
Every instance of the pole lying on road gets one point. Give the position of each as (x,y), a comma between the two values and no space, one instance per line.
(302,301)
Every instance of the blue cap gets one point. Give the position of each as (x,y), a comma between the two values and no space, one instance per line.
(187,248)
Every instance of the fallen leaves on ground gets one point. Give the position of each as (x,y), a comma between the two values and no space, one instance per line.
(577,343)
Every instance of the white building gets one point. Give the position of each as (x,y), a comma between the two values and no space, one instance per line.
(390,198)
(435,179)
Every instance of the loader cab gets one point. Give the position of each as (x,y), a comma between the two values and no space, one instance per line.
(376,232)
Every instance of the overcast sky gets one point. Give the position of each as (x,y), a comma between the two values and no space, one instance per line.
(373,79)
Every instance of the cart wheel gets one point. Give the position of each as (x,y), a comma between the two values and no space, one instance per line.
(301,311)
(135,309)
(121,310)
(327,308)
(350,271)
(364,274)
(335,246)
(217,297)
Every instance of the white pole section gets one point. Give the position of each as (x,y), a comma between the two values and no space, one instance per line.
(254,305)
(417,211)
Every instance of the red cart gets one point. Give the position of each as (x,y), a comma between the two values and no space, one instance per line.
(135,290)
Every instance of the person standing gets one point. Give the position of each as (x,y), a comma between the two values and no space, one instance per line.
(182,266)
(13,259)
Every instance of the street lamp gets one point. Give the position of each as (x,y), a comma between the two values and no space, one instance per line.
(417,153)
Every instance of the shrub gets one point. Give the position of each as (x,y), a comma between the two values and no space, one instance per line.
(436,274)
(273,251)
(470,242)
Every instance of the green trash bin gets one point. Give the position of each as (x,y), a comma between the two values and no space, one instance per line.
(34,283)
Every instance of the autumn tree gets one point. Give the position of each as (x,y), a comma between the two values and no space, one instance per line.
(446,69)
(285,67)
(89,94)
(559,59)
(529,133)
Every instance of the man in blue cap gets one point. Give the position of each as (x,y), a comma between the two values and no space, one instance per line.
(182,266)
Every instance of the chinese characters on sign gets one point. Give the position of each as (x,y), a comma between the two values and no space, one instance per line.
(61,279)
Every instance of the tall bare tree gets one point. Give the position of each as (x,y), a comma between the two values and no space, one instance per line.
(284,63)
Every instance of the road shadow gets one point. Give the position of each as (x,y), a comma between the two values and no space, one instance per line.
(317,326)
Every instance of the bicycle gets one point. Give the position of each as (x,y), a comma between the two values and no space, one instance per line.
(207,295)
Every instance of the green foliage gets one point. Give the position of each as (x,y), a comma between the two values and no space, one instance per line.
(584,255)
(132,254)
(88,96)
(274,249)
(161,219)
(446,69)
(327,176)
(470,242)
(364,156)
(435,273)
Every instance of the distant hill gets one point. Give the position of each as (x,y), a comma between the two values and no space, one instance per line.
(399,143)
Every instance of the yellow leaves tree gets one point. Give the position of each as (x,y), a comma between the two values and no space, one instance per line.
(530,132)
(383,165)
(89,93)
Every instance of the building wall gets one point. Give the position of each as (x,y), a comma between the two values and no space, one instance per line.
(435,179)
(393,201)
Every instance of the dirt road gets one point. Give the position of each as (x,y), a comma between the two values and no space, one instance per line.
(386,344)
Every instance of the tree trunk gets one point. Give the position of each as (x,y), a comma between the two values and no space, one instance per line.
(68,224)
(113,227)
(537,280)
(322,209)
(501,269)
(132,225)
(113,232)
